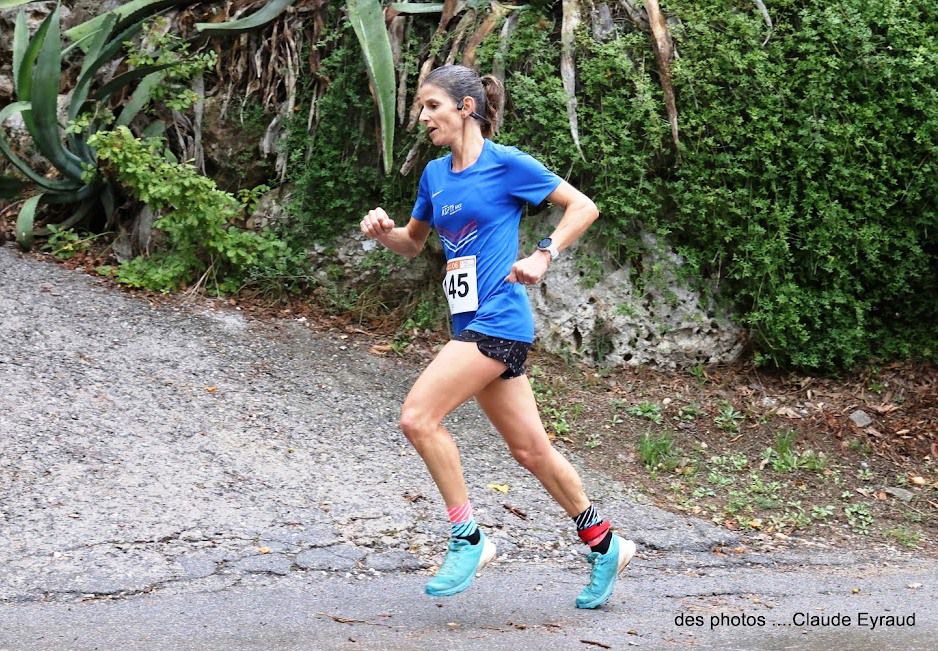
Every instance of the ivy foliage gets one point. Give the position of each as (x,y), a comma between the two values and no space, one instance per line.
(336,168)
(809,170)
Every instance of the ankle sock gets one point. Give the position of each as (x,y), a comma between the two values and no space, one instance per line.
(593,530)
(463,524)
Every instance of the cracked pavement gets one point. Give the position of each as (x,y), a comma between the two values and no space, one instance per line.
(229,474)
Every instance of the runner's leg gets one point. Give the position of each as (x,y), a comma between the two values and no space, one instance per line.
(457,373)
(511,407)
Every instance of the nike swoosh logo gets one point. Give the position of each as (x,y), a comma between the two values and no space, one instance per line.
(432,196)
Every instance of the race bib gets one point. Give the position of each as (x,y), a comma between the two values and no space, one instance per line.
(461,286)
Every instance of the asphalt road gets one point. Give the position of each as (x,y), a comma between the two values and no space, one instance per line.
(178,476)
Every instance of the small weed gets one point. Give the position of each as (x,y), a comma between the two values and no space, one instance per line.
(657,451)
(735,461)
(760,487)
(858,517)
(738,502)
(728,418)
(689,412)
(865,474)
(647,410)
(822,513)
(793,518)
(905,537)
(65,244)
(703,491)
(814,461)
(699,373)
(717,478)
(785,442)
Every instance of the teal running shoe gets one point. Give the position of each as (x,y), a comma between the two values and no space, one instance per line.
(606,567)
(462,562)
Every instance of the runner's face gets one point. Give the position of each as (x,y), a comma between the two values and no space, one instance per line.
(439,115)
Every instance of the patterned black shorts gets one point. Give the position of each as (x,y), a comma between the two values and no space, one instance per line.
(509,352)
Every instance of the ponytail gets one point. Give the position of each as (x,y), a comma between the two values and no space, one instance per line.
(494,104)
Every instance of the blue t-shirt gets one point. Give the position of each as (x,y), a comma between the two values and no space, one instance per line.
(477,212)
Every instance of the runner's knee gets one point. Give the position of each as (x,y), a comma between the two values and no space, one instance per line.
(415,423)
(532,457)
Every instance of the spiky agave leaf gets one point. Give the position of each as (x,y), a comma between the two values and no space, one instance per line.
(129,12)
(45,94)
(24,222)
(367,18)
(34,176)
(263,16)
(417,7)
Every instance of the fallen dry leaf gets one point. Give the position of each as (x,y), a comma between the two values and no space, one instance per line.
(211,389)
(787,412)
(918,480)
(501,488)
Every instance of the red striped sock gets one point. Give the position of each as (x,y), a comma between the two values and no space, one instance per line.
(593,531)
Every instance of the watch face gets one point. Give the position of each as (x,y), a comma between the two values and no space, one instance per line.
(545,243)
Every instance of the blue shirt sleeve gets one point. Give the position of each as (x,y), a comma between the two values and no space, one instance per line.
(423,209)
(529,180)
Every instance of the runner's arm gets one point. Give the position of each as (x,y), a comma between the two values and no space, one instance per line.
(579,212)
(407,241)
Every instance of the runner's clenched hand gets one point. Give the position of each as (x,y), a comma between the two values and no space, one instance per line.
(529,270)
(376,223)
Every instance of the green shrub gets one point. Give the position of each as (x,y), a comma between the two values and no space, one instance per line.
(197,217)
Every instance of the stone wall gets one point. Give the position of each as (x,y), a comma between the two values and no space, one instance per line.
(599,316)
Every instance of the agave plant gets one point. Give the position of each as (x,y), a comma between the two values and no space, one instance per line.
(37,65)
(37,71)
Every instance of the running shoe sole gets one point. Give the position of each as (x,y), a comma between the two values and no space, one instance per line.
(488,553)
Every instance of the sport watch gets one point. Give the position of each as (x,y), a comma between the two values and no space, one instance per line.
(547,244)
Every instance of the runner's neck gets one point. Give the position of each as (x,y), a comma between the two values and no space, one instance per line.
(467,153)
